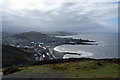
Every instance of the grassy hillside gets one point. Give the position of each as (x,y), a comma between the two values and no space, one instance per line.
(14,56)
(74,69)
(87,69)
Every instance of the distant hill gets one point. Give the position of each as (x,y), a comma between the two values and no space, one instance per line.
(60,33)
(14,56)
(32,36)
(44,37)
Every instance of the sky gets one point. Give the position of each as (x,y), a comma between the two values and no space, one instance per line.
(59,15)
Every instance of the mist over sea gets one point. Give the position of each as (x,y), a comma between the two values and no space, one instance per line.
(107,46)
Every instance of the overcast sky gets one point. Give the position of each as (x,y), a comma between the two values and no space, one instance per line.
(55,15)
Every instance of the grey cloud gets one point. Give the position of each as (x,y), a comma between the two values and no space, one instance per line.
(62,18)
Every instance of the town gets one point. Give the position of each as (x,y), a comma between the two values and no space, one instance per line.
(41,49)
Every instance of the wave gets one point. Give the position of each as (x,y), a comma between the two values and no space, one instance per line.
(102,43)
(81,53)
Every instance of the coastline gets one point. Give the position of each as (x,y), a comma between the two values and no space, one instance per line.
(68,54)
(98,47)
(56,54)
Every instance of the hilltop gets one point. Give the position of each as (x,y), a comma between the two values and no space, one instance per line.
(30,35)
(37,35)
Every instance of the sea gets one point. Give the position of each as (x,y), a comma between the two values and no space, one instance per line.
(107,46)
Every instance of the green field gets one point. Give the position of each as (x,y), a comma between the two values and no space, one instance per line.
(78,69)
